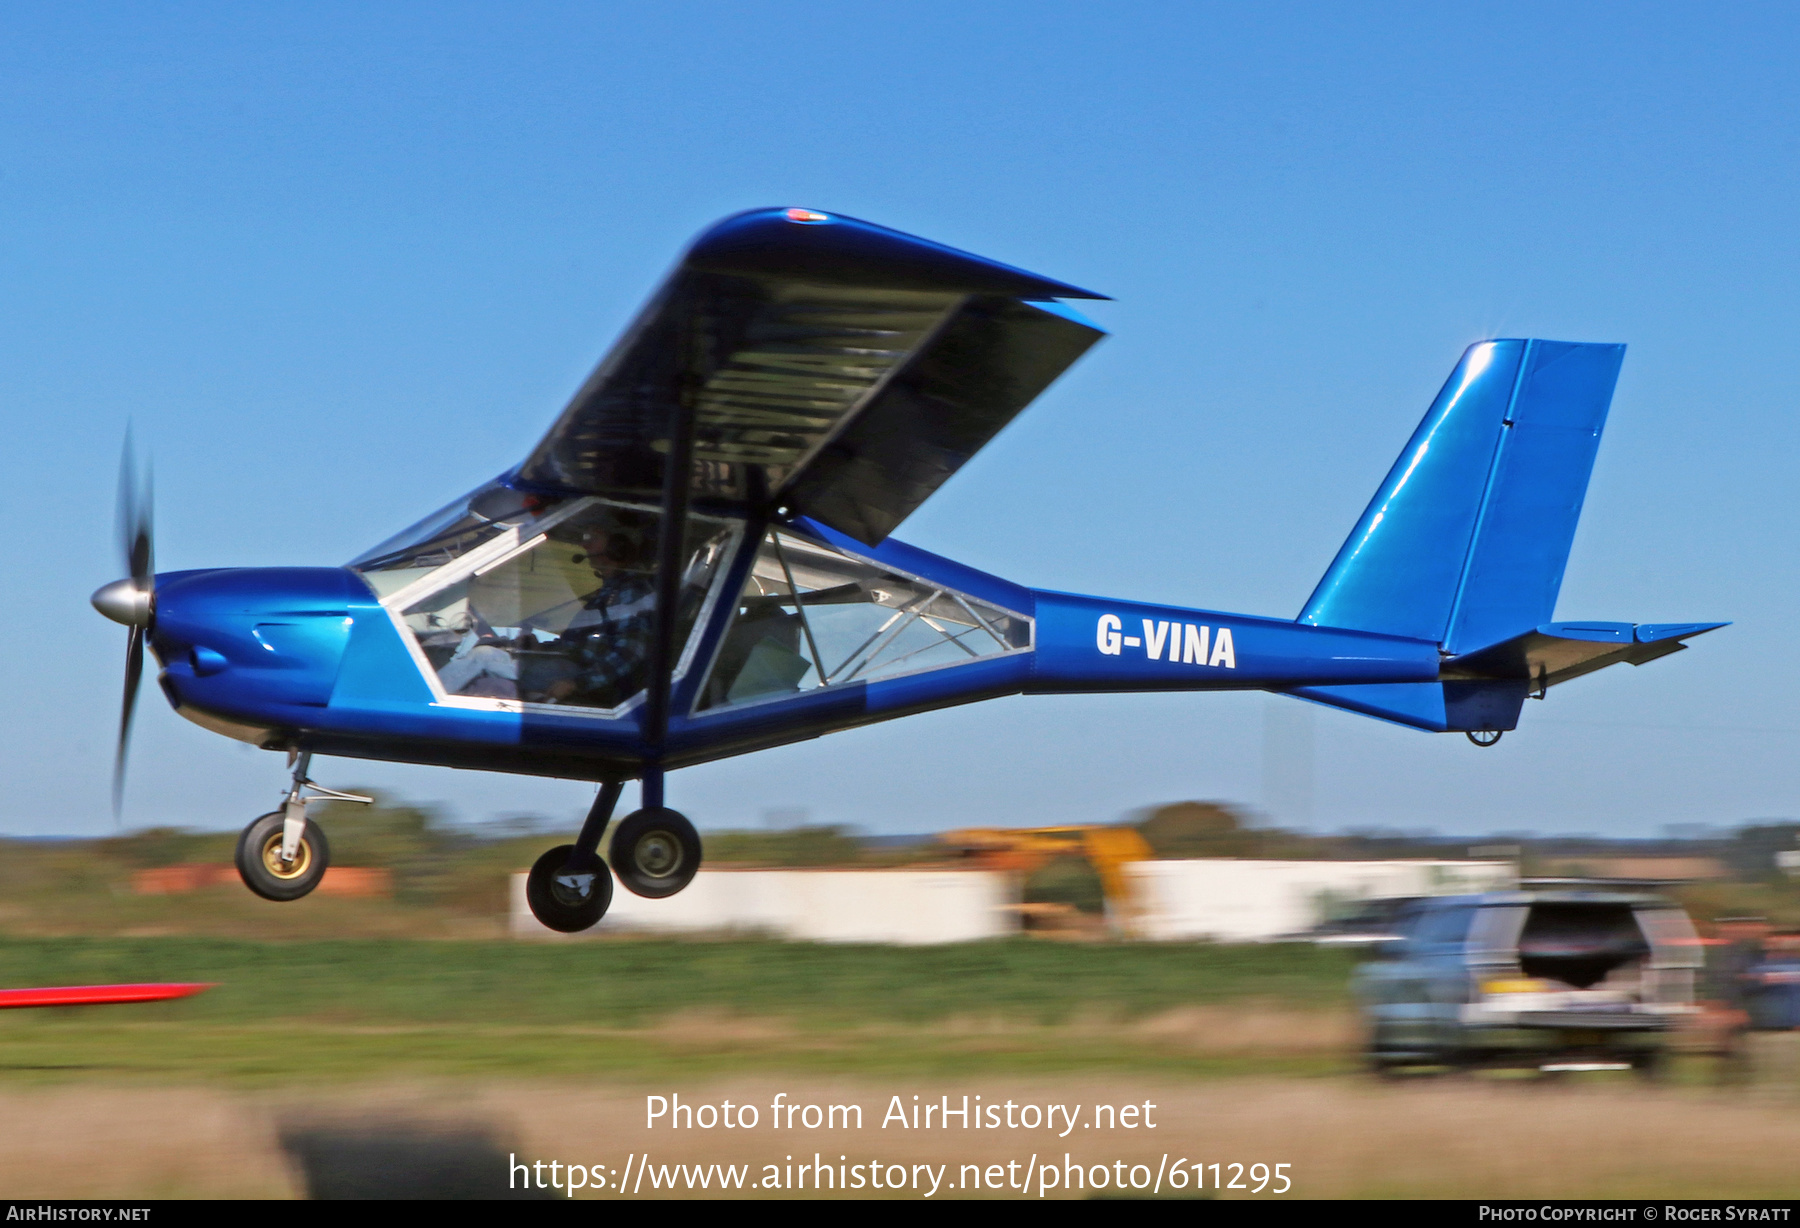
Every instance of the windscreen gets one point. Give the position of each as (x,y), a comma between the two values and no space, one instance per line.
(446,535)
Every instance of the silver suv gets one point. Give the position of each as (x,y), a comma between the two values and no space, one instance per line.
(1560,976)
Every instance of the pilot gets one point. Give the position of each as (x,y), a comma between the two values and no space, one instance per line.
(609,640)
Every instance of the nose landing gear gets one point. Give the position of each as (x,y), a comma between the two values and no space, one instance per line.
(283,855)
(266,872)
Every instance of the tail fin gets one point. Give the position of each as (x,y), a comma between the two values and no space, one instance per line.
(1465,542)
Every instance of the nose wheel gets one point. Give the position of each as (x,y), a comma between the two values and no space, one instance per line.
(270,874)
(283,855)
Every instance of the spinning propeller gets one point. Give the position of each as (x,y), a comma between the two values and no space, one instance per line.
(131,601)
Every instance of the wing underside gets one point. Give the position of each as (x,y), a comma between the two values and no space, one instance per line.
(833,368)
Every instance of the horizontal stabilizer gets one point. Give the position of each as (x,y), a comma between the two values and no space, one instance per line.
(1487,688)
(1557,652)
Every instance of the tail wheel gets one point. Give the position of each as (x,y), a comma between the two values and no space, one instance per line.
(260,865)
(655,852)
(566,892)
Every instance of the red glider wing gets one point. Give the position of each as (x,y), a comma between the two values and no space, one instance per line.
(96,995)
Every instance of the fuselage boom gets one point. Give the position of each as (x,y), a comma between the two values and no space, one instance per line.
(312,659)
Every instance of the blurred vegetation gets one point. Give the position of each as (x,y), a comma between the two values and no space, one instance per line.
(299,1013)
(1750,851)
(799,846)
(1777,900)
(632,982)
(303,1014)
(1214,829)
(452,880)
(166,846)
(449,880)
(1067,880)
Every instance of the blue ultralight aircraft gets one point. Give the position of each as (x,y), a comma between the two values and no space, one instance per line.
(696,561)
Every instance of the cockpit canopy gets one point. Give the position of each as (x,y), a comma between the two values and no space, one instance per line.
(446,535)
(511,599)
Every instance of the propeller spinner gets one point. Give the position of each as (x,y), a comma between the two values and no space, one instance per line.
(131,601)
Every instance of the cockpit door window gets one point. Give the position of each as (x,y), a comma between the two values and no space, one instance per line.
(810,616)
(560,612)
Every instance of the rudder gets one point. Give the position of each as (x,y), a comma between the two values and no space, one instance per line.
(1465,542)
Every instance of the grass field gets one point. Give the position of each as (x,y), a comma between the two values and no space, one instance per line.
(548,1050)
(299,1011)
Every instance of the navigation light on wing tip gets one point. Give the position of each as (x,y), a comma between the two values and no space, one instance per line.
(806,215)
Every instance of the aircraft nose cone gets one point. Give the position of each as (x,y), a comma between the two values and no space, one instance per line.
(123,602)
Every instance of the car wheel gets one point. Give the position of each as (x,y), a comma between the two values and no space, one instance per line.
(1651,1065)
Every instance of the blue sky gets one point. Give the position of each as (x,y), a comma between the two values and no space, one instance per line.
(339,264)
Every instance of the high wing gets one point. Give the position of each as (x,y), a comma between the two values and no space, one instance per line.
(814,363)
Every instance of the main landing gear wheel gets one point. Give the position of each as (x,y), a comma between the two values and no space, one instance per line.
(655,852)
(260,865)
(568,894)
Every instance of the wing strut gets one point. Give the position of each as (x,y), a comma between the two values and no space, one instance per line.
(678,464)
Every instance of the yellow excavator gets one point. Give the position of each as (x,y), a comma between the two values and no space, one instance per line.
(1022,850)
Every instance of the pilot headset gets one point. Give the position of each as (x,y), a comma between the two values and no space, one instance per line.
(624,547)
(627,545)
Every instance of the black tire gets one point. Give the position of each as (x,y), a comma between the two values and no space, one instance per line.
(655,852)
(565,897)
(1376,1058)
(1382,1067)
(1650,1065)
(1456,1064)
(259,861)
